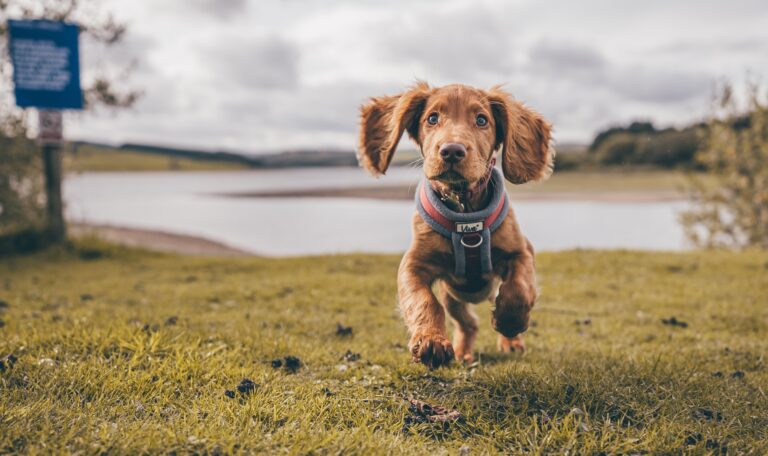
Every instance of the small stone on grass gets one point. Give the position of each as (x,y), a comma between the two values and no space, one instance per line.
(7,362)
(342,330)
(289,363)
(350,356)
(147,328)
(706,414)
(292,363)
(246,386)
(673,321)
(693,439)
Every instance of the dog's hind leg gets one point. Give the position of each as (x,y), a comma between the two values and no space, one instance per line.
(510,344)
(464,323)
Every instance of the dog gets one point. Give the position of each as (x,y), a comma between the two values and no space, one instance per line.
(458,249)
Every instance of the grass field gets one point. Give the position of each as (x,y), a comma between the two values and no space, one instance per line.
(96,159)
(125,351)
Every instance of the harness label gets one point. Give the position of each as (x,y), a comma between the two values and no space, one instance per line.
(469,227)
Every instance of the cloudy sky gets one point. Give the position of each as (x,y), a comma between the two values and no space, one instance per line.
(260,76)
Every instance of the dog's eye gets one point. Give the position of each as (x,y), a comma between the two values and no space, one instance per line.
(433,118)
(481,120)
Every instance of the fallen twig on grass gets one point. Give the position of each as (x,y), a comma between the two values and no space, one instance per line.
(421,412)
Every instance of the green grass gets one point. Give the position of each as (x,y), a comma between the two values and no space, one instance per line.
(97,159)
(99,370)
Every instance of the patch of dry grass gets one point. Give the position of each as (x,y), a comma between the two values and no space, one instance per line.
(126,351)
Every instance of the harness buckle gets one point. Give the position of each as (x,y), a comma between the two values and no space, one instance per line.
(466,240)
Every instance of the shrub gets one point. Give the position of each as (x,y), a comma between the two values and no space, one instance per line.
(21,184)
(634,127)
(734,211)
(641,144)
(670,148)
(616,149)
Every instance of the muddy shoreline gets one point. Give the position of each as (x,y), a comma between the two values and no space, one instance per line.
(160,241)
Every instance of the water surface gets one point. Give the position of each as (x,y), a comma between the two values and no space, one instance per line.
(187,202)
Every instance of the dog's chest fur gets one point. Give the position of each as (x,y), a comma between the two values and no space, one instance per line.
(479,291)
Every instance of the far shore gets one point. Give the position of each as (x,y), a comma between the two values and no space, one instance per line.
(406,192)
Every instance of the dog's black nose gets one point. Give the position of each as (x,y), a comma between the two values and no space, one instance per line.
(453,152)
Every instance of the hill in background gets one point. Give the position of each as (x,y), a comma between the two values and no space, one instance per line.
(639,144)
(86,156)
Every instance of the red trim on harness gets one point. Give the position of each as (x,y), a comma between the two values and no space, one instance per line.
(495,214)
(447,224)
(433,212)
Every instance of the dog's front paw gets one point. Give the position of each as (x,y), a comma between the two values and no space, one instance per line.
(432,350)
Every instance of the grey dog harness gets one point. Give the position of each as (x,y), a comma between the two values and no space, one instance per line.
(469,232)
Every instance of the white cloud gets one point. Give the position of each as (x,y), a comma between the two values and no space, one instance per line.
(261,76)
(255,63)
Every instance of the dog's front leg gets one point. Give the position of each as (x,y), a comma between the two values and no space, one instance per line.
(516,298)
(423,314)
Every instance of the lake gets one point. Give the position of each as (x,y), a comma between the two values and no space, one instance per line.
(188,203)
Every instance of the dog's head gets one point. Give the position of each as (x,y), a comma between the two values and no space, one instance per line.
(458,129)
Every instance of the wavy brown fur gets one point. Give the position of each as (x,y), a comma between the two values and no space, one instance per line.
(382,122)
(524,137)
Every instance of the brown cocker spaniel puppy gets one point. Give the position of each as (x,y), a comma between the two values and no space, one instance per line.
(466,240)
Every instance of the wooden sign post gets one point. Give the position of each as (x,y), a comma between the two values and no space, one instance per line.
(51,129)
(46,75)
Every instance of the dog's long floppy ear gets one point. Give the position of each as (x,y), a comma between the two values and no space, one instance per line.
(382,122)
(525,136)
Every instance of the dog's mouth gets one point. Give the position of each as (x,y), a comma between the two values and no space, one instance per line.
(450,177)
(452,187)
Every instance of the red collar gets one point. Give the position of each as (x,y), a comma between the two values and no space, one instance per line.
(485,221)
(457,227)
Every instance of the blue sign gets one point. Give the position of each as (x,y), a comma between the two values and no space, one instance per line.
(46,64)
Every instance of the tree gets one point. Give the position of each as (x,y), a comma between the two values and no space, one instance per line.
(635,128)
(640,143)
(21,199)
(732,209)
(618,148)
(670,148)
